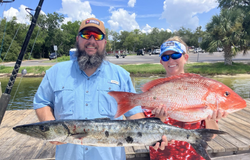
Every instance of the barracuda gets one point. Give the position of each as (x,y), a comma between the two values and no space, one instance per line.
(113,133)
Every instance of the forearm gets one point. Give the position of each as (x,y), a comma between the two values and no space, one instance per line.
(136,116)
(45,114)
(212,124)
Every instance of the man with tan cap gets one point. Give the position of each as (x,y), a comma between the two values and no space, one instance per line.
(78,89)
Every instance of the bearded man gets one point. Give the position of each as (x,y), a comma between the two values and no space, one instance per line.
(78,89)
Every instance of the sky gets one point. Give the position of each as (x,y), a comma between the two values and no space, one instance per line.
(123,15)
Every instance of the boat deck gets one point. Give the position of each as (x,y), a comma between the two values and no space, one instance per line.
(231,146)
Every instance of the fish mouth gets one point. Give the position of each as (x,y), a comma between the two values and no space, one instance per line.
(29,131)
(237,107)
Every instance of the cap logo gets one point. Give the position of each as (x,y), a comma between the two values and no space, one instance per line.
(92,21)
(169,44)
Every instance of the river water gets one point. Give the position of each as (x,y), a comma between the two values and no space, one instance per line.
(23,98)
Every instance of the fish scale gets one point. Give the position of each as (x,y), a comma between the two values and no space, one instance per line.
(115,133)
(188,97)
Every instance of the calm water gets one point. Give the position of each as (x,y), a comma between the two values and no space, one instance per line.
(28,86)
(241,85)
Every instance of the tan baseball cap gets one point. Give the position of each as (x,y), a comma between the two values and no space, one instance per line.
(92,22)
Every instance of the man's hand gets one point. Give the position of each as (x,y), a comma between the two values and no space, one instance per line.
(164,143)
(217,114)
(56,142)
(160,112)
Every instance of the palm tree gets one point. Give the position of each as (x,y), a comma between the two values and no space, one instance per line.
(244,6)
(225,30)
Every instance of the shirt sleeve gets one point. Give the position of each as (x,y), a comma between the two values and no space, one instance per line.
(44,95)
(136,109)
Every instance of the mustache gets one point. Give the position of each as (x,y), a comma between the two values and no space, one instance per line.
(86,61)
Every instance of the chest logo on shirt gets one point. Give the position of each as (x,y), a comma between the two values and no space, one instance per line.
(115,82)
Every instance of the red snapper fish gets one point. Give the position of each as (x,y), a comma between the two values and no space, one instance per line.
(188,97)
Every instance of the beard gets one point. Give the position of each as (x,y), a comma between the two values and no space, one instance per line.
(86,61)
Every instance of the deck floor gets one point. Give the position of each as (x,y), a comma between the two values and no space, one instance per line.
(14,146)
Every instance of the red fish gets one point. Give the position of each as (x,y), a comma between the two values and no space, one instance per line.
(188,97)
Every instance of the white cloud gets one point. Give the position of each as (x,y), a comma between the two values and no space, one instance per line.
(122,19)
(76,10)
(131,3)
(180,13)
(149,16)
(111,8)
(21,15)
(148,29)
(168,30)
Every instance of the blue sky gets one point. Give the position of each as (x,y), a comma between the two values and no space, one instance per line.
(126,15)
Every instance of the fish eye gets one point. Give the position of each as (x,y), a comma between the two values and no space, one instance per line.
(44,128)
(226,94)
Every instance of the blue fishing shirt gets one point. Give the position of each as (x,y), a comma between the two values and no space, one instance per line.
(74,95)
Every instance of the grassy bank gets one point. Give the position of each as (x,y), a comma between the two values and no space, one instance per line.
(198,68)
(157,69)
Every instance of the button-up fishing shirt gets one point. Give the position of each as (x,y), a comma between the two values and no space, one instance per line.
(74,95)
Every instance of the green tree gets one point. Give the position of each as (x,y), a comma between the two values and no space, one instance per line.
(225,30)
(154,38)
(122,44)
(52,24)
(109,42)
(244,6)
(115,37)
(9,53)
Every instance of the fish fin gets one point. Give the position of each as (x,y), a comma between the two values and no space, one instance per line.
(192,109)
(123,100)
(158,81)
(156,142)
(200,147)
(200,144)
(79,136)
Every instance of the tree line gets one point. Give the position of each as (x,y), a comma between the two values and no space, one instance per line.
(229,30)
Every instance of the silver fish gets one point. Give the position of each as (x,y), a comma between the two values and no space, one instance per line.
(113,133)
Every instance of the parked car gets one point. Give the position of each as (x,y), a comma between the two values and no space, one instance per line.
(140,52)
(219,49)
(156,51)
(52,56)
(196,50)
(149,52)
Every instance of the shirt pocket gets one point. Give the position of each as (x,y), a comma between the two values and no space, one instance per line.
(64,103)
(107,105)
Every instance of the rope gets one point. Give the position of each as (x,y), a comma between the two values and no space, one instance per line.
(11,44)
(4,30)
(3,38)
(4,9)
(25,69)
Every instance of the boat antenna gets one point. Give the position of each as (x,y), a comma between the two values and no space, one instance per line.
(5,98)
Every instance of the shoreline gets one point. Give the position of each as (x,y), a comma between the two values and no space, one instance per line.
(7,75)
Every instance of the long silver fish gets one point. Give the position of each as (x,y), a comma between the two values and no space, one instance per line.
(113,133)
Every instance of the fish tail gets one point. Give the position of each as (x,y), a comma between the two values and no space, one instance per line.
(200,145)
(123,100)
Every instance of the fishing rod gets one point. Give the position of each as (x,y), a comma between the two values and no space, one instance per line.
(5,98)
(1,1)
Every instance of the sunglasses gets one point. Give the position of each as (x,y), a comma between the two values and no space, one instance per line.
(174,56)
(85,34)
